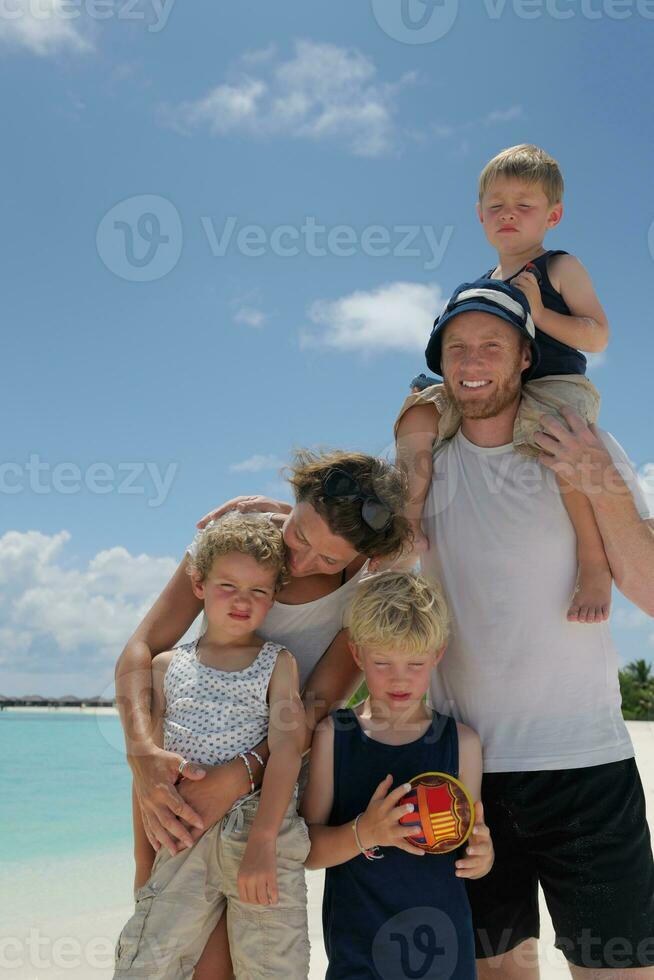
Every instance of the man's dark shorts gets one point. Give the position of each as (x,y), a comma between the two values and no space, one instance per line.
(581,833)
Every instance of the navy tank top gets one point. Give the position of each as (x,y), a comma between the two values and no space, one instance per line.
(403,916)
(555,357)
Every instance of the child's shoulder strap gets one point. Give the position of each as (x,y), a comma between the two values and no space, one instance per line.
(541,264)
(267,658)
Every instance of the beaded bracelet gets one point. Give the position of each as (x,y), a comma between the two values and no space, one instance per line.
(369,853)
(257,757)
(244,757)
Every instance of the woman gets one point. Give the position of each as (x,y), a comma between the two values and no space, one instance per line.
(348,508)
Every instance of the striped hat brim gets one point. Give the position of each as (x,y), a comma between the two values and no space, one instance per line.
(482,300)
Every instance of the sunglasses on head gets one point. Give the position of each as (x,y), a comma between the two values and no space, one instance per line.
(339,485)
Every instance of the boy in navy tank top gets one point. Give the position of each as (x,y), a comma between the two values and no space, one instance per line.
(520,194)
(408,914)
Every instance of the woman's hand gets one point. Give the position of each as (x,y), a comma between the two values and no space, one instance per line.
(479,854)
(247,505)
(257,876)
(380,824)
(215,794)
(155,774)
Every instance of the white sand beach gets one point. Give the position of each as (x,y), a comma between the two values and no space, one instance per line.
(65,916)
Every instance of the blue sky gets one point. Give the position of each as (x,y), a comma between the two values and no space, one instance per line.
(225,229)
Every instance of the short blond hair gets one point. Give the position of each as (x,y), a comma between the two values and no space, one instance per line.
(248,534)
(525,162)
(400,610)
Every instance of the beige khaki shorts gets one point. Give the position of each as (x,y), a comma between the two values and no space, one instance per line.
(178,908)
(546,396)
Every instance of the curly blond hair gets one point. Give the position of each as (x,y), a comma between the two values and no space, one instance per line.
(248,534)
(525,162)
(400,610)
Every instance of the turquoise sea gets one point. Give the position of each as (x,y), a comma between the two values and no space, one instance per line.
(66,844)
(66,785)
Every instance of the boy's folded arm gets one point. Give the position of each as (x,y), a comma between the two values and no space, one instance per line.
(588,328)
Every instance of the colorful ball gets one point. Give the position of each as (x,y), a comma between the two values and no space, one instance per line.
(443,812)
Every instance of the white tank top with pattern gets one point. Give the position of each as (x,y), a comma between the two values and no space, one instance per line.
(212,715)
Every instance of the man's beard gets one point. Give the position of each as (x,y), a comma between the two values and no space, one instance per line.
(504,393)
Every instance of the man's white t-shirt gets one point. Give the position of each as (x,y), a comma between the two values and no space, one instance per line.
(541,692)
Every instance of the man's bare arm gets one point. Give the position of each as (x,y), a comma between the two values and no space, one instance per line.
(629,544)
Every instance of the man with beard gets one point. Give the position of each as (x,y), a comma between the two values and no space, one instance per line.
(561,790)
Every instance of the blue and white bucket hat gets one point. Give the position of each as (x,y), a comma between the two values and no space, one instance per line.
(486,296)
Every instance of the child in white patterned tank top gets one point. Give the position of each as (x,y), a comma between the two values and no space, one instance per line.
(212,701)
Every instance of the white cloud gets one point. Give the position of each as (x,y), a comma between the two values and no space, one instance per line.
(630,618)
(53,613)
(256,464)
(42,28)
(250,316)
(324,92)
(227,106)
(260,55)
(503,115)
(495,117)
(397,316)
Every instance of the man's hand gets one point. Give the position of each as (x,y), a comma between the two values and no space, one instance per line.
(257,876)
(528,284)
(479,855)
(214,795)
(155,774)
(577,454)
(246,505)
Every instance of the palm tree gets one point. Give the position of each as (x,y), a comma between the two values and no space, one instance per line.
(637,689)
(641,672)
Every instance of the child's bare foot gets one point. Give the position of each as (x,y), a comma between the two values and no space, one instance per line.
(591,600)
